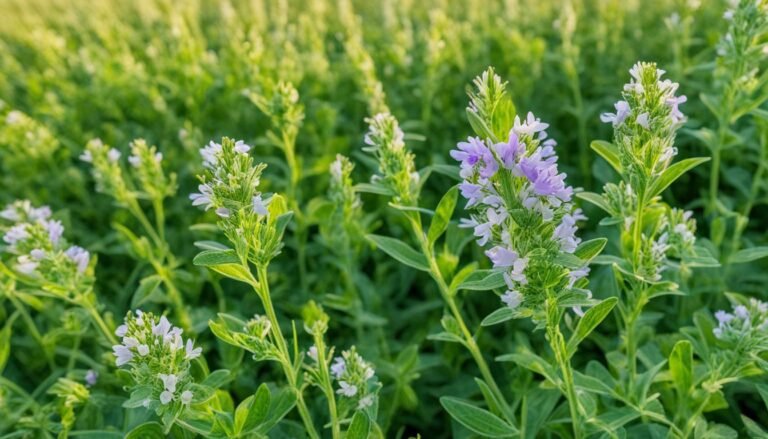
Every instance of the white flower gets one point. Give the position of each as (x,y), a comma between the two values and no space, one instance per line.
(512,299)
(79,256)
(338,367)
(531,125)
(86,156)
(15,234)
(312,352)
(260,206)
(162,327)
(348,390)
(186,397)
(26,265)
(622,111)
(91,377)
(242,147)
(134,160)
(222,212)
(143,350)
(113,155)
(55,230)
(169,381)
(365,402)
(191,351)
(130,342)
(122,354)
(203,198)
(37,254)
(166,397)
(121,330)
(643,120)
(210,154)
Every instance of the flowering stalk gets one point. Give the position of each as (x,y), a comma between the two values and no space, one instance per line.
(287,114)
(399,179)
(738,79)
(521,210)
(159,362)
(145,180)
(652,233)
(254,224)
(45,260)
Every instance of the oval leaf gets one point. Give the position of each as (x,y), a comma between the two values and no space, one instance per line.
(589,322)
(359,427)
(609,152)
(400,251)
(479,420)
(443,215)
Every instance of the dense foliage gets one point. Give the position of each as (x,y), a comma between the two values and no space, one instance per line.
(403,219)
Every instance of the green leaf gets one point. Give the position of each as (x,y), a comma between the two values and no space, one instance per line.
(281,405)
(595,199)
(443,214)
(217,378)
(210,245)
(673,173)
(587,250)
(748,255)
(589,322)
(147,430)
(400,251)
(253,410)
(359,427)
(138,396)
(478,420)
(209,258)
(479,126)
(681,366)
(532,362)
(499,316)
(609,152)
(371,188)
(282,222)
(147,286)
(482,280)
(5,343)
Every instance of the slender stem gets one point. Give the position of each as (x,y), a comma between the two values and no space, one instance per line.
(469,339)
(282,346)
(100,322)
(157,204)
(557,343)
(327,388)
(175,296)
(22,310)
(692,420)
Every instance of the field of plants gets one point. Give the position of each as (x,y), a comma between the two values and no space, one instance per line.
(383,219)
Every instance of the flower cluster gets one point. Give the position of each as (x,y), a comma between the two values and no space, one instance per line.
(742,338)
(521,208)
(229,185)
(397,171)
(159,361)
(355,377)
(343,224)
(146,162)
(743,323)
(646,120)
(39,246)
(106,170)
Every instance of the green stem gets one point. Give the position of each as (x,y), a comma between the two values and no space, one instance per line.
(282,346)
(559,347)
(327,388)
(22,310)
(469,339)
(691,423)
(175,295)
(100,322)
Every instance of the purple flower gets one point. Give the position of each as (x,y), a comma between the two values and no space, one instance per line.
(472,192)
(79,256)
(470,152)
(501,256)
(674,103)
(622,111)
(512,299)
(510,152)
